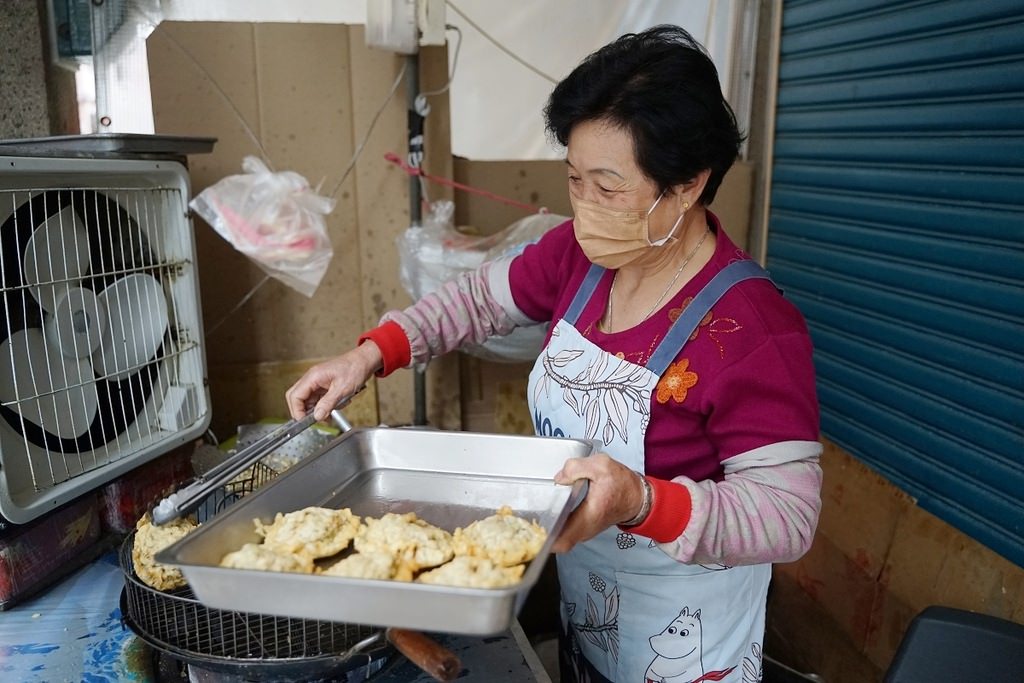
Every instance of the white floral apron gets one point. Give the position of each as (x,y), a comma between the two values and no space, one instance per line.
(634,613)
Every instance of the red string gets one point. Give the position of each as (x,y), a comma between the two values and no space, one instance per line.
(416,171)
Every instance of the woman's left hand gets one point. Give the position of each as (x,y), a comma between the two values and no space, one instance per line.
(615,495)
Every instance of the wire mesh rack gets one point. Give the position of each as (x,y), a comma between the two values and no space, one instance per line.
(176,622)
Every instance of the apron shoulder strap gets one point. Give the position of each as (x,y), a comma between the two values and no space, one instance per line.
(587,288)
(695,311)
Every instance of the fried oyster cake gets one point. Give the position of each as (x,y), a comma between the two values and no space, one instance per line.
(370,566)
(314,531)
(413,541)
(256,556)
(151,539)
(502,538)
(473,572)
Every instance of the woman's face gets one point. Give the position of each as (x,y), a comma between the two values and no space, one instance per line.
(602,169)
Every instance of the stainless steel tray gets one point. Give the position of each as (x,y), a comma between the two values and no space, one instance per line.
(447,478)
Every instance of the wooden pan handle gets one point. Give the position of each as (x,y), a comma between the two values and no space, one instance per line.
(426,653)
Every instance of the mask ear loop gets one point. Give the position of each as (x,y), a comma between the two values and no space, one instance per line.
(666,238)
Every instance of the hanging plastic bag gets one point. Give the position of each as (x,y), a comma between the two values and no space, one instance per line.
(432,254)
(275,219)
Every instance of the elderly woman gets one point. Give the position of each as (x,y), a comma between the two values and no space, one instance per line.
(668,345)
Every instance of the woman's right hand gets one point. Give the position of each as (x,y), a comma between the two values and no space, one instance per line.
(324,384)
(615,494)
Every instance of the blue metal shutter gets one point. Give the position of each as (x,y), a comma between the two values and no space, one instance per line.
(896,225)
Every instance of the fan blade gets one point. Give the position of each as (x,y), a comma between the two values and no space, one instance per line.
(77,323)
(135,325)
(45,388)
(56,255)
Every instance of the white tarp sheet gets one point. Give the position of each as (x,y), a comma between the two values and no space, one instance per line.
(497,103)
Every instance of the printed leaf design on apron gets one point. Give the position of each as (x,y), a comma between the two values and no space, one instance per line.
(611,614)
(541,389)
(643,399)
(559,360)
(598,367)
(570,400)
(595,637)
(618,414)
(600,630)
(563,358)
(607,393)
(625,371)
(593,412)
(715,567)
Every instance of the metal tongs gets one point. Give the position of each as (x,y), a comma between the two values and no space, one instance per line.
(188,498)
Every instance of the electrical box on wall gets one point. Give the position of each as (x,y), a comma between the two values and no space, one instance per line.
(430,19)
(74,32)
(404,25)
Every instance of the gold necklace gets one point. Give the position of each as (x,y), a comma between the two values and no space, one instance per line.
(675,277)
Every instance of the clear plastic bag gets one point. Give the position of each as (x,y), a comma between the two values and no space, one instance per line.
(275,219)
(435,252)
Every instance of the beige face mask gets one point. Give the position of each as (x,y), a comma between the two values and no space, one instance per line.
(613,238)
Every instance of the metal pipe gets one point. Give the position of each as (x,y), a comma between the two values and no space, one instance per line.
(415,130)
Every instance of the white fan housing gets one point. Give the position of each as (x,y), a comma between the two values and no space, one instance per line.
(102,365)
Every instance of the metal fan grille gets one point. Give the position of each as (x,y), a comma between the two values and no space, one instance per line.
(79,400)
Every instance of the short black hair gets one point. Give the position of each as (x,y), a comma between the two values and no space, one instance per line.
(662,88)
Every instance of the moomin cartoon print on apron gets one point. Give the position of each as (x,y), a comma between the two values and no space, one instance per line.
(634,613)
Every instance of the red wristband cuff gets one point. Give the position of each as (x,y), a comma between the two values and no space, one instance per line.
(670,512)
(393,344)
